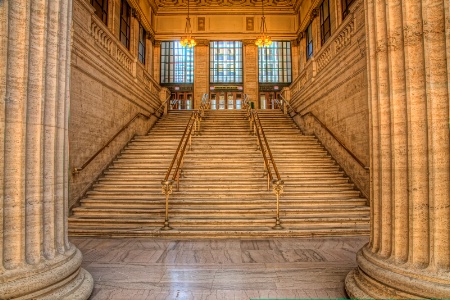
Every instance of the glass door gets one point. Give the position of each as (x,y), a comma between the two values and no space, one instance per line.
(238,101)
(262,101)
(213,101)
(267,100)
(230,101)
(222,101)
(182,100)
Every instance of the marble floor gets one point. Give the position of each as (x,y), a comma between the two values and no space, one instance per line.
(274,268)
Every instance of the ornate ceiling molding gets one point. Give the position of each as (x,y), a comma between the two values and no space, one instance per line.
(225,3)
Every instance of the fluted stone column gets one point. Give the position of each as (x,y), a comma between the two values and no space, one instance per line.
(36,258)
(408,255)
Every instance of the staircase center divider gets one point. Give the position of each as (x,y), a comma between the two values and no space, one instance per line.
(263,145)
(192,127)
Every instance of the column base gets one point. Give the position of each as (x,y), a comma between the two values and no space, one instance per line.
(376,278)
(60,278)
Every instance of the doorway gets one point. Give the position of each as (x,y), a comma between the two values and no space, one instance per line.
(226,100)
(268,100)
(181,100)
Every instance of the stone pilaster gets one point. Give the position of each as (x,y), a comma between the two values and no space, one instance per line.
(201,78)
(251,71)
(408,255)
(36,258)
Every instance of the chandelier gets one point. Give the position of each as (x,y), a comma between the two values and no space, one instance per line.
(187,40)
(263,40)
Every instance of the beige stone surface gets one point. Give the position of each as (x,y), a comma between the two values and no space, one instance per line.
(333,86)
(109,86)
(274,268)
(36,258)
(409,251)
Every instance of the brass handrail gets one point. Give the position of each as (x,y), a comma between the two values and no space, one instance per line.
(285,106)
(167,184)
(329,131)
(77,170)
(263,145)
(337,140)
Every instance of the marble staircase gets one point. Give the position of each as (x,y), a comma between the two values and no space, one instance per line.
(223,190)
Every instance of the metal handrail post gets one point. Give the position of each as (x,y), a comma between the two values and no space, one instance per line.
(167,186)
(278,189)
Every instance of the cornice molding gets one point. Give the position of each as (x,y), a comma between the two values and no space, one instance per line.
(223,3)
(140,16)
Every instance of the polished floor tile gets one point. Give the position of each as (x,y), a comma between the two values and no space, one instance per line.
(213,269)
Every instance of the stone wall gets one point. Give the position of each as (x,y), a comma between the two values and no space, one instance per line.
(332,85)
(109,86)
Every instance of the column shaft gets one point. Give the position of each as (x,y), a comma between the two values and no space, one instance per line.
(418,135)
(34,133)
(51,88)
(374,127)
(384,104)
(15,116)
(408,256)
(36,258)
(437,108)
(398,132)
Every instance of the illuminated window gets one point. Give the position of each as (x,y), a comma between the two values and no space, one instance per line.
(141,44)
(274,63)
(177,63)
(345,8)
(325,26)
(101,9)
(226,62)
(309,42)
(125,12)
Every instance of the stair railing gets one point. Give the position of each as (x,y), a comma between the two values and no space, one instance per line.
(205,101)
(192,127)
(246,102)
(160,110)
(337,140)
(263,145)
(285,106)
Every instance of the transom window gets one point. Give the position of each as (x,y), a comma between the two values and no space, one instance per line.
(177,63)
(101,9)
(309,42)
(226,62)
(274,63)
(325,26)
(125,12)
(345,8)
(141,44)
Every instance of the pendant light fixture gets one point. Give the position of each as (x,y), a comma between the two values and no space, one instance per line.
(188,40)
(263,39)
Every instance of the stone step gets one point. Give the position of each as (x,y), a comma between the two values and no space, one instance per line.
(223,191)
(153,230)
(220,178)
(243,215)
(177,201)
(305,195)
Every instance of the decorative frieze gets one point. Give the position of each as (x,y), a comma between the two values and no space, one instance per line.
(344,36)
(101,36)
(226,3)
